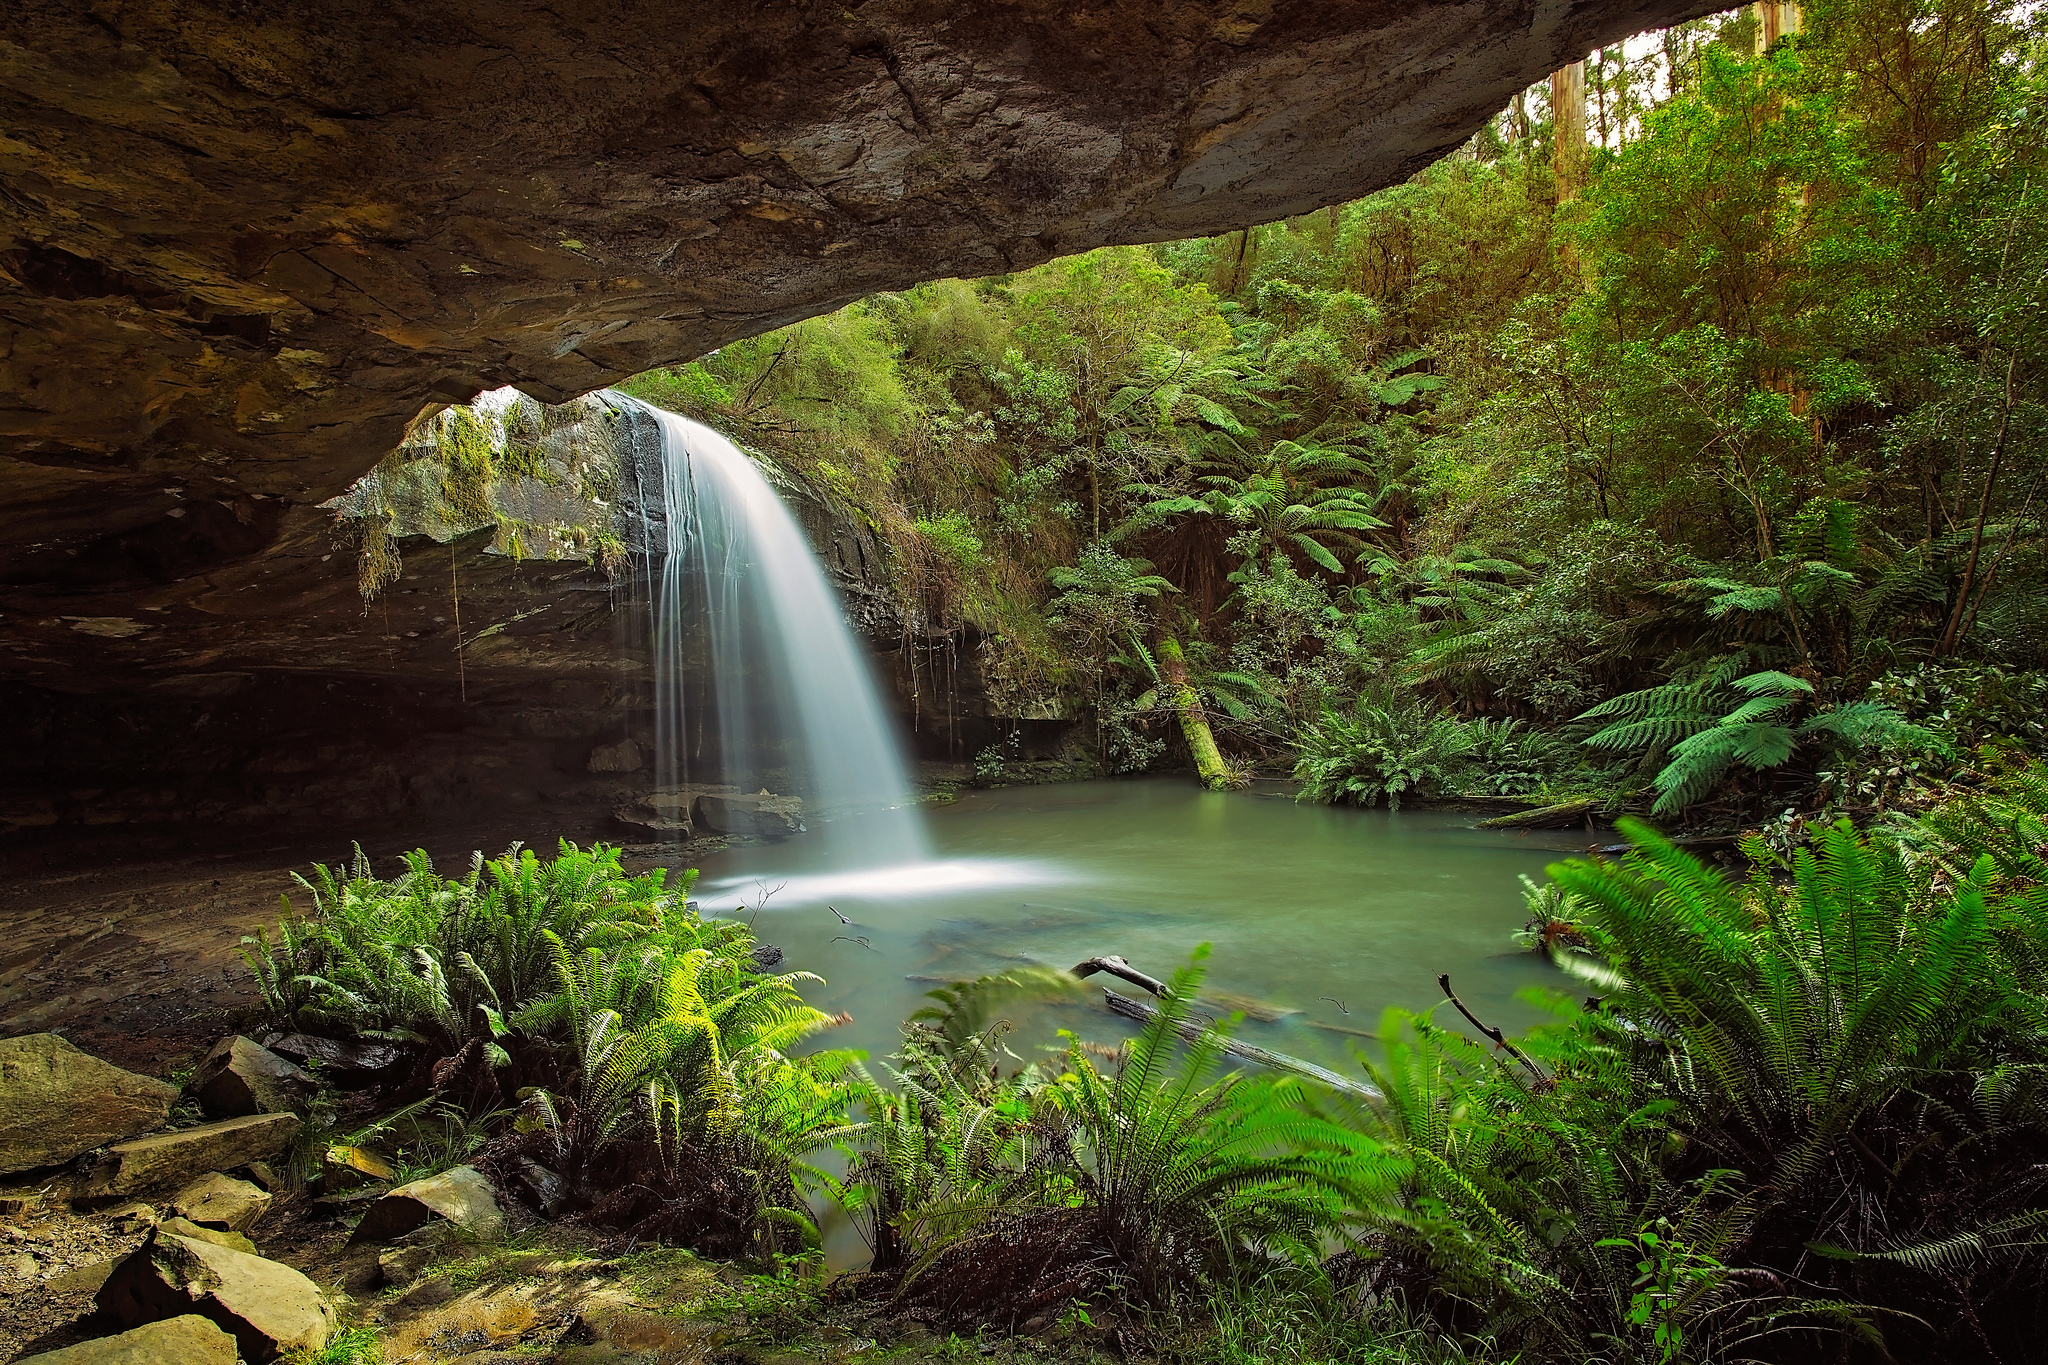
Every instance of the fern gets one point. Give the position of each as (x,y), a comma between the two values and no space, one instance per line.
(1713,723)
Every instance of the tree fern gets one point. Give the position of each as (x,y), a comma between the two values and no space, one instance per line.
(1719,720)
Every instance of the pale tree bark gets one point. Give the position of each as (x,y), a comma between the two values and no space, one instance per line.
(1775,21)
(1568,121)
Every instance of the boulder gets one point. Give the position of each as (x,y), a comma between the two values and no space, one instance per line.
(82,1280)
(268,1308)
(461,1196)
(221,1201)
(241,1077)
(761,816)
(550,1192)
(133,1217)
(56,1102)
(352,1059)
(168,1160)
(233,1241)
(188,1340)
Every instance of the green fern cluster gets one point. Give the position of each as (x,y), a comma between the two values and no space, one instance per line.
(429,960)
(1388,744)
(641,1022)
(1797,1103)
(1721,717)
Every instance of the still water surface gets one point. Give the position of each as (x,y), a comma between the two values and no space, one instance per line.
(1365,907)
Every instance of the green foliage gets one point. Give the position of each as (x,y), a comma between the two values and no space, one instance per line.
(348,1346)
(1754,1133)
(647,1027)
(1386,745)
(1185,1167)
(1714,721)
(430,960)
(953,539)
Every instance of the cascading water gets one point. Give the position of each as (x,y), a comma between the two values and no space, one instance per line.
(782,679)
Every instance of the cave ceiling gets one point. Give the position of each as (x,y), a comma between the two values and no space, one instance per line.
(244,242)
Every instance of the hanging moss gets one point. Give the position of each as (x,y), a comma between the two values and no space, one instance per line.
(542,478)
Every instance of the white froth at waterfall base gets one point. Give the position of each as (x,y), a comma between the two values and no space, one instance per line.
(932,878)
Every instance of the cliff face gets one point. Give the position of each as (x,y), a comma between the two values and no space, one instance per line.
(243,242)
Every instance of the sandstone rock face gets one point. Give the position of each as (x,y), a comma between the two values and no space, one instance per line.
(266,1307)
(168,1160)
(462,1196)
(233,1241)
(188,1340)
(241,1077)
(221,1202)
(248,240)
(56,1102)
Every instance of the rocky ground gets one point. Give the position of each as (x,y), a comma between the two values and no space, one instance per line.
(538,1293)
(142,1221)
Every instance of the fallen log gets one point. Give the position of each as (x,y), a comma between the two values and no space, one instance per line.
(1223,1002)
(1346,1029)
(1192,1030)
(1563,815)
(1116,966)
(1704,843)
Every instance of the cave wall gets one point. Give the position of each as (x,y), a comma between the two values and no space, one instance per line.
(283,709)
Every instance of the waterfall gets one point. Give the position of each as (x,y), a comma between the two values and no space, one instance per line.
(789,697)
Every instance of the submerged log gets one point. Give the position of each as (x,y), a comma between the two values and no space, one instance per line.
(1192,1030)
(1563,815)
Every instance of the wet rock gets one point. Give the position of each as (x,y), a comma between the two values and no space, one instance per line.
(461,1196)
(761,816)
(233,1241)
(187,1340)
(766,955)
(168,1160)
(336,1055)
(268,1308)
(550,1192)
(221,1202)
(242,1077)
(56,1101)
(623,757)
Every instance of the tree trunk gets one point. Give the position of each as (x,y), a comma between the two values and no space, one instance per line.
(1568,129)
(1194,723)
(1775,21)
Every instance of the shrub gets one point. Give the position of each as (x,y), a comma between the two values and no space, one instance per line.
(1389,743)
